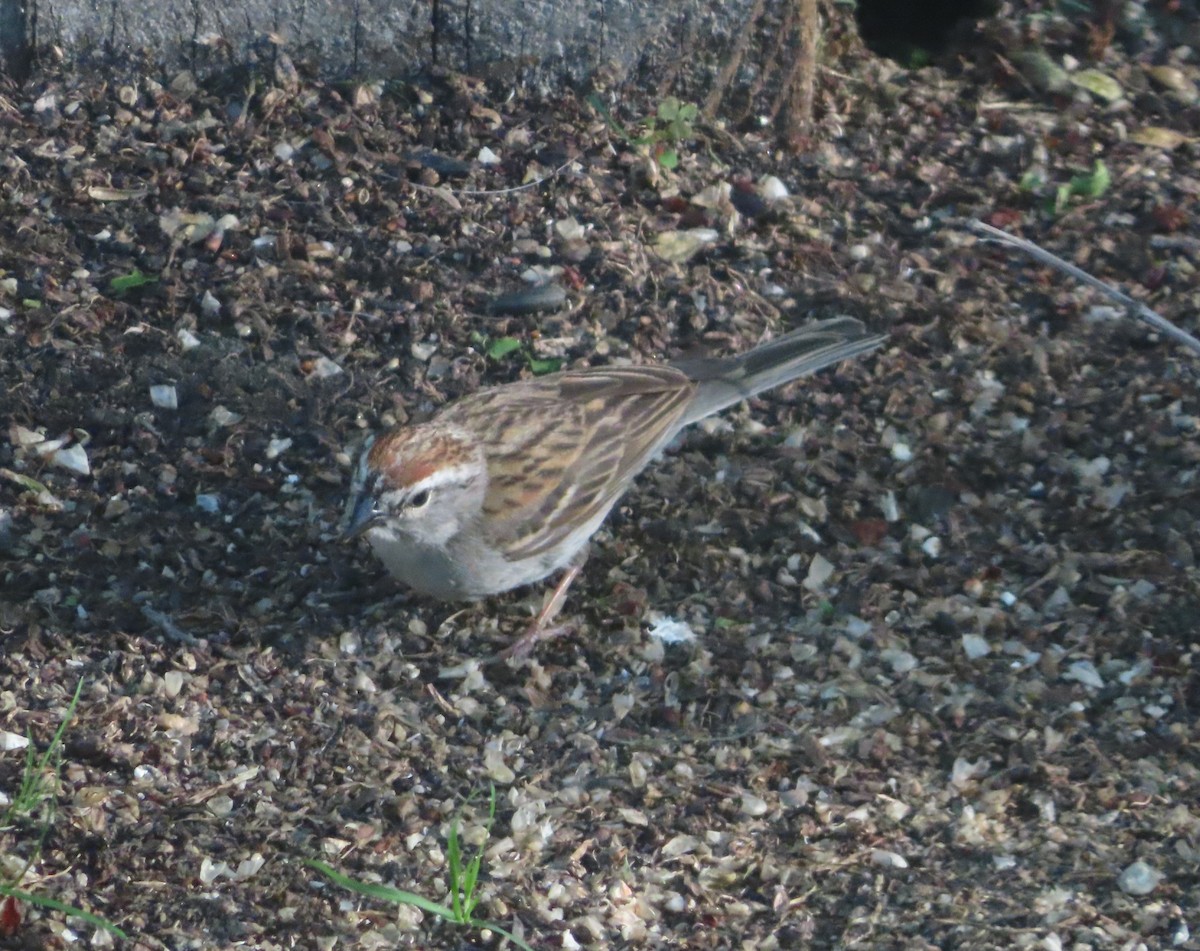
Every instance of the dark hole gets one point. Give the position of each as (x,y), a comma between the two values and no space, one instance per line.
(914,32)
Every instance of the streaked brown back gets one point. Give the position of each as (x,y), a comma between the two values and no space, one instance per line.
(600,426)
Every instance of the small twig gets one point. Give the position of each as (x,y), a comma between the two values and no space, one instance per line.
(441,701)
(169,627)
(495,191)
(1172,241)
(1133,307)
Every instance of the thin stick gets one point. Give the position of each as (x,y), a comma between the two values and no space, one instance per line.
(169,627)
(495,191)
(1133,307)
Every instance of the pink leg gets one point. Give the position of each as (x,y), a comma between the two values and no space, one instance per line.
(538,630)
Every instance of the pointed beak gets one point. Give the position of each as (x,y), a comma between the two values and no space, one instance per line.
(362,517)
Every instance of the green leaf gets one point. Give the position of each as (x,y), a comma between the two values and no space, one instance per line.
(1031,181)
(1061,196)
(540,367)
(668,109)
(1094,185)
(668,159)
(919,58)
(503,347)
(1099,84)
(128,282)
(26,482)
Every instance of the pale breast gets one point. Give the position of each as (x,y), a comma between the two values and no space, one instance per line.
(464,571)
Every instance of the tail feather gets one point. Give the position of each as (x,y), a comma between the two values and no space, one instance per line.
(730,380)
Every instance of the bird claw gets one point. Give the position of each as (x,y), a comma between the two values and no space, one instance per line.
(520,649)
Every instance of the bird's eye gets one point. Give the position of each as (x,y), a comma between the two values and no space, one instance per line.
(418,500)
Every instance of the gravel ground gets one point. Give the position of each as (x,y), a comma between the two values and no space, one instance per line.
(903,656)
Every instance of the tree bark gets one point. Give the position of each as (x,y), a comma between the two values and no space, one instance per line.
(801,80)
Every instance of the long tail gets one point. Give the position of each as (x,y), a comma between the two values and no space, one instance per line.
(730,380)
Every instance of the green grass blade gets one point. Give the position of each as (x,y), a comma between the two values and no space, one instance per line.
(454,861)
(492,926)
(594,101)
(69,910)
(397,896)
(470,900)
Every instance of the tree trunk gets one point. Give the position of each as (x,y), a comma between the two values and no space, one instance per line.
(16,54)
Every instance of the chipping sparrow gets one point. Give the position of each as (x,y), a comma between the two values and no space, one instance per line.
(505,486)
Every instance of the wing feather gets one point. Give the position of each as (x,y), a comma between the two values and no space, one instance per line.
(564,448)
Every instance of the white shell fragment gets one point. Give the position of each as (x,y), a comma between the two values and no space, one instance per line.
(771,188)
(209,305)
(220,416)
(975,646)
(73,458)
(325,368)
(207,502)
(819,571)
(570,229)
(172,683)
(901,662)
(164,396)
(670,631)
(1084,671)
(1139,879)
(888,859)
(889,507)
(679,246)
(12,741)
